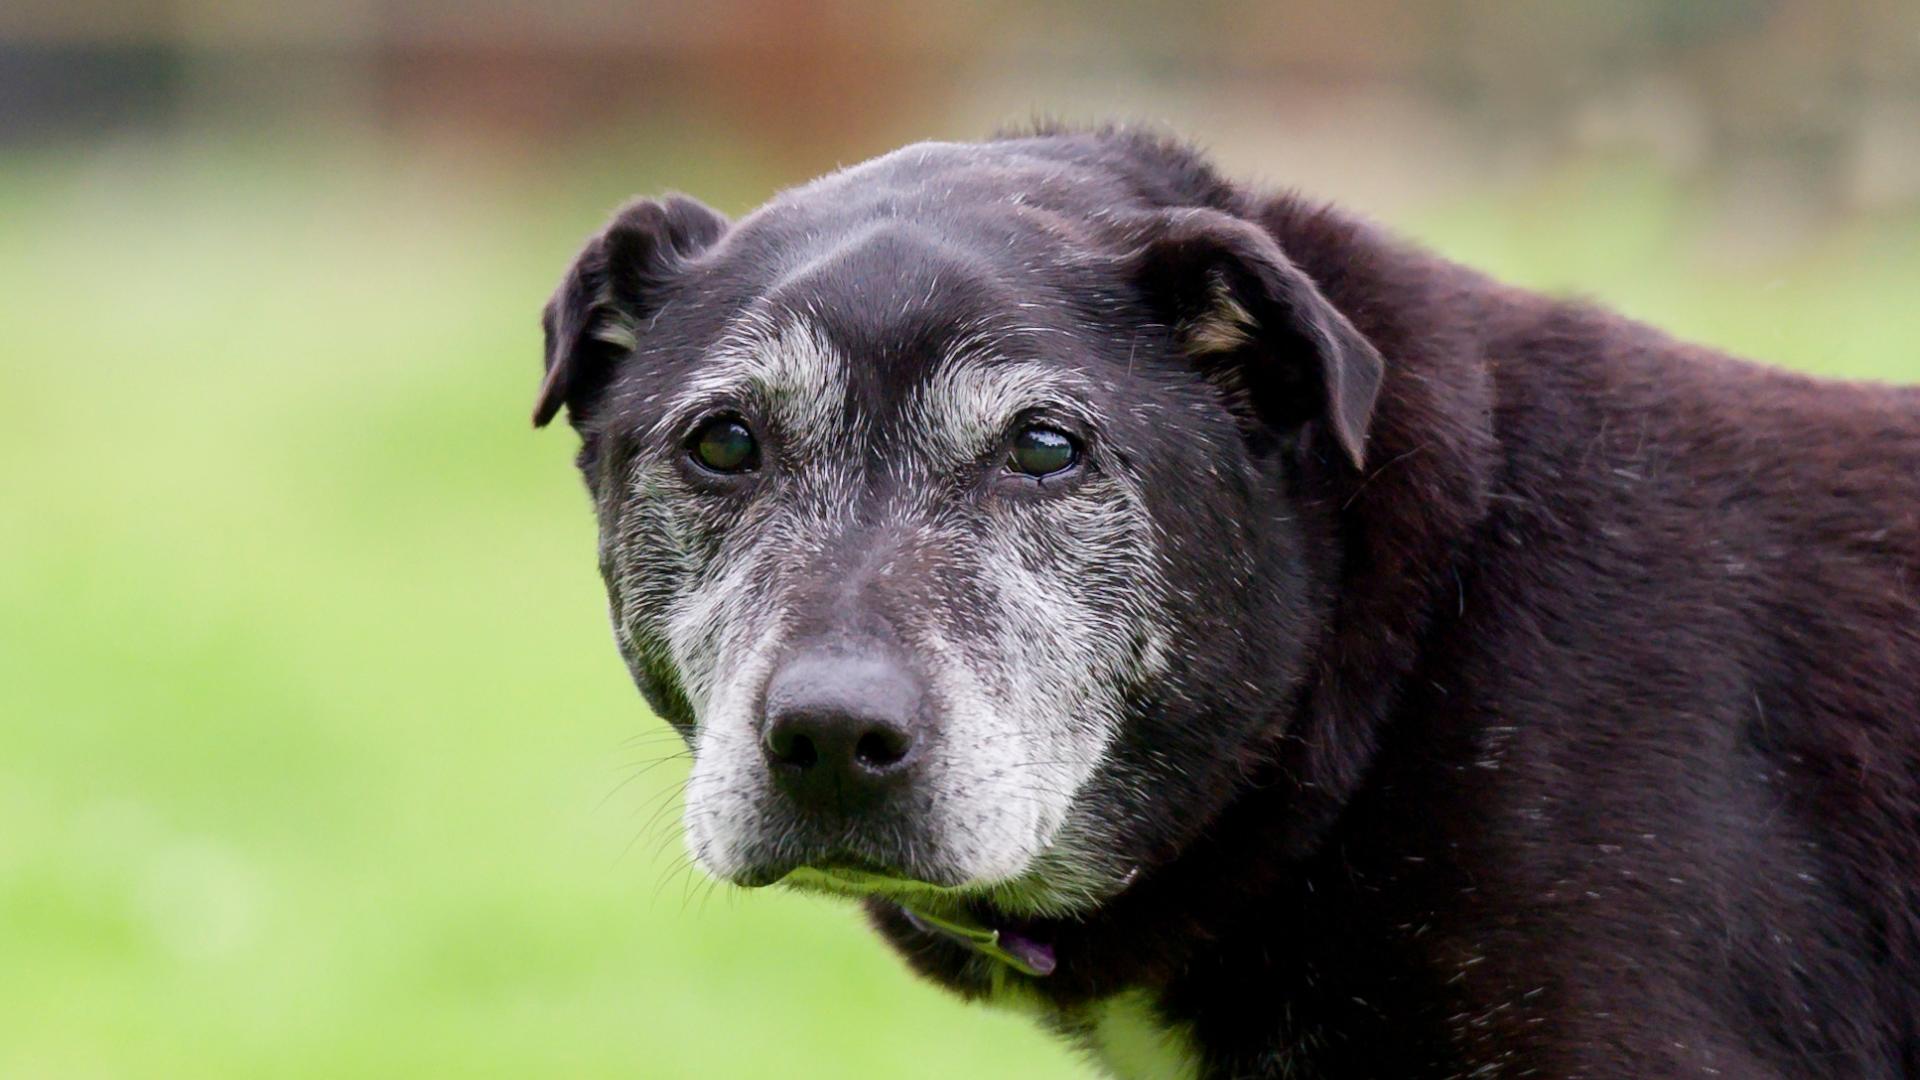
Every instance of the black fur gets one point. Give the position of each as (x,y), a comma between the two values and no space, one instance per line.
(1567,721)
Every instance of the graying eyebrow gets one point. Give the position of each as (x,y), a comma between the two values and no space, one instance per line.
(969,400)
(786,366)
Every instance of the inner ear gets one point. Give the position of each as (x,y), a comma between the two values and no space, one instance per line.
(612,286)
(1259,368)
(1222,325)
(1258,327)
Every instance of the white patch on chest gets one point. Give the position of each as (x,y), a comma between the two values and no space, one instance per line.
(1131,1040)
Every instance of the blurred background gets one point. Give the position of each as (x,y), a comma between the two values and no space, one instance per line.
(316,757)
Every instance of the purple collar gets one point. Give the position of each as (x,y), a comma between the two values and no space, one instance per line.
(1022,954)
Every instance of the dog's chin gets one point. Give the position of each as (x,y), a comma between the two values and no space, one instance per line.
(851,866)
(864,884)
(1047,881)
(1029,894)
(930,889)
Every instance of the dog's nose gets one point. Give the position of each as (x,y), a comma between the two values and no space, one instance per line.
(841,726)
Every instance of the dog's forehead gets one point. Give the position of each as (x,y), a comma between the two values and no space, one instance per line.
(935,285)
(896,256)
(894,323)
(896,300)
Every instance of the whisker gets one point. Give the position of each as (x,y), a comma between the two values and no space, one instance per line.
(637,774)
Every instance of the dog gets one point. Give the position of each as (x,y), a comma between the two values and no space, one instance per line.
(1250,643)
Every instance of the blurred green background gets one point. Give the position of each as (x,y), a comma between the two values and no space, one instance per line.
(315,754)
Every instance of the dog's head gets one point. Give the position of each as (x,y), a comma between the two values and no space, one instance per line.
(963,510)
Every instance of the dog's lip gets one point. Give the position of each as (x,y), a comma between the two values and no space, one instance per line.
(863,872)
(758,877)
(848,873)
(855,867)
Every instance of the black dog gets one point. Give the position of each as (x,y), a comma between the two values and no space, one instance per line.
(1259,646)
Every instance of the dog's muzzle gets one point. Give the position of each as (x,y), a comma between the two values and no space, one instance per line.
(847,732)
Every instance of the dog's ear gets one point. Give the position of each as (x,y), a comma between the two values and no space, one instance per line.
(607,294)
(1257,325)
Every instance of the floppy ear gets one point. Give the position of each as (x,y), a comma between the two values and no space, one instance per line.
(1257,324)
(605,296)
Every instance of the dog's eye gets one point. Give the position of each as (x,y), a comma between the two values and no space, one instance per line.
(1042,451)
(725,445)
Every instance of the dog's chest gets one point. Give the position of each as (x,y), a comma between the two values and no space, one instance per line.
(1131,1040)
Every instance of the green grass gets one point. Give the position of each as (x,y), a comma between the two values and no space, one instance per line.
(314,749)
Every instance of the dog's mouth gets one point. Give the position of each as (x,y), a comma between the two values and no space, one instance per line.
(865,878)
(857,869)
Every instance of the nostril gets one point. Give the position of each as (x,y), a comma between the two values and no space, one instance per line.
(790,747)
(882,747)
(840,724)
